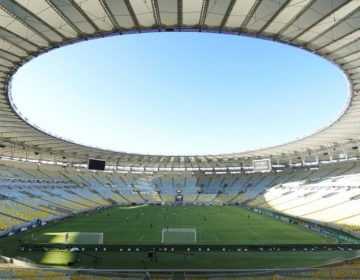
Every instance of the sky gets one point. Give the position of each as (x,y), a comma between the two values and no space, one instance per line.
(180,93)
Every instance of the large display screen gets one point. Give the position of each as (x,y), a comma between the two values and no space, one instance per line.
(95,164)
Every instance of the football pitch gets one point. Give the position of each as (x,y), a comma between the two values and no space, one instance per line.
(148,224)
(103,240)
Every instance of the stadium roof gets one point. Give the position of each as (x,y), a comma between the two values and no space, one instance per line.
(329,28)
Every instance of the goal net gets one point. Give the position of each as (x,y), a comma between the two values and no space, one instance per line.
(178,236)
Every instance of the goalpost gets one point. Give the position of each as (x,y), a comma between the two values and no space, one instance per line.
(178,236)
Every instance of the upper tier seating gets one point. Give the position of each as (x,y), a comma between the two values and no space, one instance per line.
(329,194)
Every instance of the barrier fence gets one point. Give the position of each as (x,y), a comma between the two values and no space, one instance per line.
(189,247)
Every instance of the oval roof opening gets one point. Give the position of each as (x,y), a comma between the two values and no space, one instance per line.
(180,93)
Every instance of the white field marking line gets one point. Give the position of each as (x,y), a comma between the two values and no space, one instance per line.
(101,239)
(91,236)
(141,238)
(217,237)
(255,233)
(108,229)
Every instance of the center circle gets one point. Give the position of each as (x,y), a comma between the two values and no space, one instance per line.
(179,93)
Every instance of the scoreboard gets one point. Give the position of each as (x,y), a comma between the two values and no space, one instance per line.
(96,164)
(262,165)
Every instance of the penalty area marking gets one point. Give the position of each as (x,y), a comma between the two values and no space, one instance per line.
(77,237)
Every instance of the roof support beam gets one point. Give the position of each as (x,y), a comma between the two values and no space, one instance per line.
(179,13)
(249,16)
(318,21)
(203,14)
(110,15)
(227,14)
(290,22)
(270,21)
(31,16)
(132,14)
(156,13)
(333,26)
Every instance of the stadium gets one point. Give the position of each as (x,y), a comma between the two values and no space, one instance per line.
(290,211)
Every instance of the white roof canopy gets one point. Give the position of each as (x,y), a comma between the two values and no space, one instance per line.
(329,28)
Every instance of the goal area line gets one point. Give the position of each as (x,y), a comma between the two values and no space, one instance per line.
(178,236)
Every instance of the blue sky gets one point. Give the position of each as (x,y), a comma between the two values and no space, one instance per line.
(180,93)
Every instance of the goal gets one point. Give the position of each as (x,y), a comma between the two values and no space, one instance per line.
(178,236)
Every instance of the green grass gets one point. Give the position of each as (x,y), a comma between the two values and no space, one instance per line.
(143,225)
(214,225)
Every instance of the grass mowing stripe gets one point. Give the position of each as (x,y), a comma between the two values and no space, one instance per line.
(255,233)
(235,225)
(214,225)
